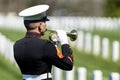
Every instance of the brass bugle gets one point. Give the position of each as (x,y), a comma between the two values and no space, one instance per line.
(53,35)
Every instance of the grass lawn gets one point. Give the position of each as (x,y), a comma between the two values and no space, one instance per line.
(8,70)
(81,59)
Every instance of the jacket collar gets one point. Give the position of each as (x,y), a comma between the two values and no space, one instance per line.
(32,34)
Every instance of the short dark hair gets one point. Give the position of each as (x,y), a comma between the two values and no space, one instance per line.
(28,26)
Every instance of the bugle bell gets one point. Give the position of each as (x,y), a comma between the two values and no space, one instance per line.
(53,35)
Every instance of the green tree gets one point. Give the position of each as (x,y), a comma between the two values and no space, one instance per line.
(112,8)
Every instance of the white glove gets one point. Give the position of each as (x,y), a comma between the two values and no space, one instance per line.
(63,39)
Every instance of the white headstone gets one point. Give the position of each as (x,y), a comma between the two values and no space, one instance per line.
(97,75)
(2,43)
(105,48)
(70,75)
(114,76)
(82,73)
(57,73)
(115,52)
(96,45)
(80,40)
(88,42)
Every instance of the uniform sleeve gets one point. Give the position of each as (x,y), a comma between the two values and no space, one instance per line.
(61,59)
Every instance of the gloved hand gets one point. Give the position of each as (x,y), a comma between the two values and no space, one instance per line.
(63,39)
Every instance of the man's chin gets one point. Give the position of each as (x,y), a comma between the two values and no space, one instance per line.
(42,34)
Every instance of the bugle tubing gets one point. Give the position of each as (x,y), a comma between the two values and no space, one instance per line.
(53,35)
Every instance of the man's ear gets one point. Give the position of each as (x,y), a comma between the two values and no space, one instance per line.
(40,23)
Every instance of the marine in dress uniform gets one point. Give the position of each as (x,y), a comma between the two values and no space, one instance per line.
(35,56)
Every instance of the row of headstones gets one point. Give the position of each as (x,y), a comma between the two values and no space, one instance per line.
(82,74)
(96,45)
(6,47)
(66,23)
(86,23)
(85,41)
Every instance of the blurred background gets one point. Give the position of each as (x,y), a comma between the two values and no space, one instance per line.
(96,50)
(66,7)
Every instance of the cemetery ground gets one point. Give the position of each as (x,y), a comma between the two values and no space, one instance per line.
(81,59)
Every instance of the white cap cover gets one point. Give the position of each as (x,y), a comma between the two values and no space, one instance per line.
(35,13)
